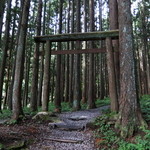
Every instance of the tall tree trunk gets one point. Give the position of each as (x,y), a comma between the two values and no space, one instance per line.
(58,66)
(101,57)
(12,47)
(17,108)
(46,78)
(5,49)
(42,59)
(71,75)
(111,76)
(77,64)
(2,7)
(84,91)
(130,117)
(34,87)
(113,18)
(146,67)
(91,87)
(67,59)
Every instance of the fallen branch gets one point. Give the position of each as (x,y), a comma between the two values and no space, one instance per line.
(64,140)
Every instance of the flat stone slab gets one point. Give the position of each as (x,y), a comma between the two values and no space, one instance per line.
(78,118)
(66,126)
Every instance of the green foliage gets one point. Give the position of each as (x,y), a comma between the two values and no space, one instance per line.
(104,102)
(5,115)
(65,107)
(145,106)
(111,140)
(11,122)
(27,110)
(1,146)
(51,106)
(105,131)
(140,143)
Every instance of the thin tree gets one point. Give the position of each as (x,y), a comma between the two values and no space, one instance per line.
(77,64)
(91,87)
(2,7)
(130,117)
(113,70)
(42,58)
(67,59)
(84,91)
(58,65)
(34,87)
(71,75)
(5,49)
(46,77)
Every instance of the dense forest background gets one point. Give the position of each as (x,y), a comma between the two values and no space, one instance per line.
(73,78)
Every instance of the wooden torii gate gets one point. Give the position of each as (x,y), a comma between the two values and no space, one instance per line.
(87,36)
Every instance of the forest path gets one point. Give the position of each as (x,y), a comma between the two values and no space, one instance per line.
(71,133)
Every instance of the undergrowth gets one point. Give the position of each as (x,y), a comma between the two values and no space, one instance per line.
(64,105)
(145,106)
(108,139)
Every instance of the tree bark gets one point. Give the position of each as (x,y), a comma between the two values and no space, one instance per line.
(111,76)
(113,18)
(58,65)
(16,98)
(77,64)
(130,117)
(5,49)
(84,90)
(34,87)
(91,87)
(2,7)
(46,78)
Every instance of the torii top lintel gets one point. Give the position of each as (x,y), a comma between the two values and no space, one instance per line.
(86,36)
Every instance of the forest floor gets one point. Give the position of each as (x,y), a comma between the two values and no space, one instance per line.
(72,133)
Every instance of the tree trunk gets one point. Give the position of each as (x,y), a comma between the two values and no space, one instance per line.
(84,91)
(2,7)
(91,87)
(42,59)
(111,76)
(130,117)
(17,108)
(58,65)
(46,78)
(5,49)
(113,18)
(71,75)
(77,64)
(34,87)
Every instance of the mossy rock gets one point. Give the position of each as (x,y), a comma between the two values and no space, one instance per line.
(44,116)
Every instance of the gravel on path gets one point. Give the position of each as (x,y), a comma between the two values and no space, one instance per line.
(85,137)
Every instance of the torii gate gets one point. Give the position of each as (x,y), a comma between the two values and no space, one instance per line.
(87,36)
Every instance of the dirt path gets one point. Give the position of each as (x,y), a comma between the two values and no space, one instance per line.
(70,134)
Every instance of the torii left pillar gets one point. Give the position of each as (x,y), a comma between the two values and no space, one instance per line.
(46,76)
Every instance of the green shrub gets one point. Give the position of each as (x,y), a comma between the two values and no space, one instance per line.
(103,102)
(5,114)
(145,106)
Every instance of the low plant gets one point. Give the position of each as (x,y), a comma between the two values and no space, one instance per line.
(110,140)
(5,114)
(140,142)
(103,102)
(145,106)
